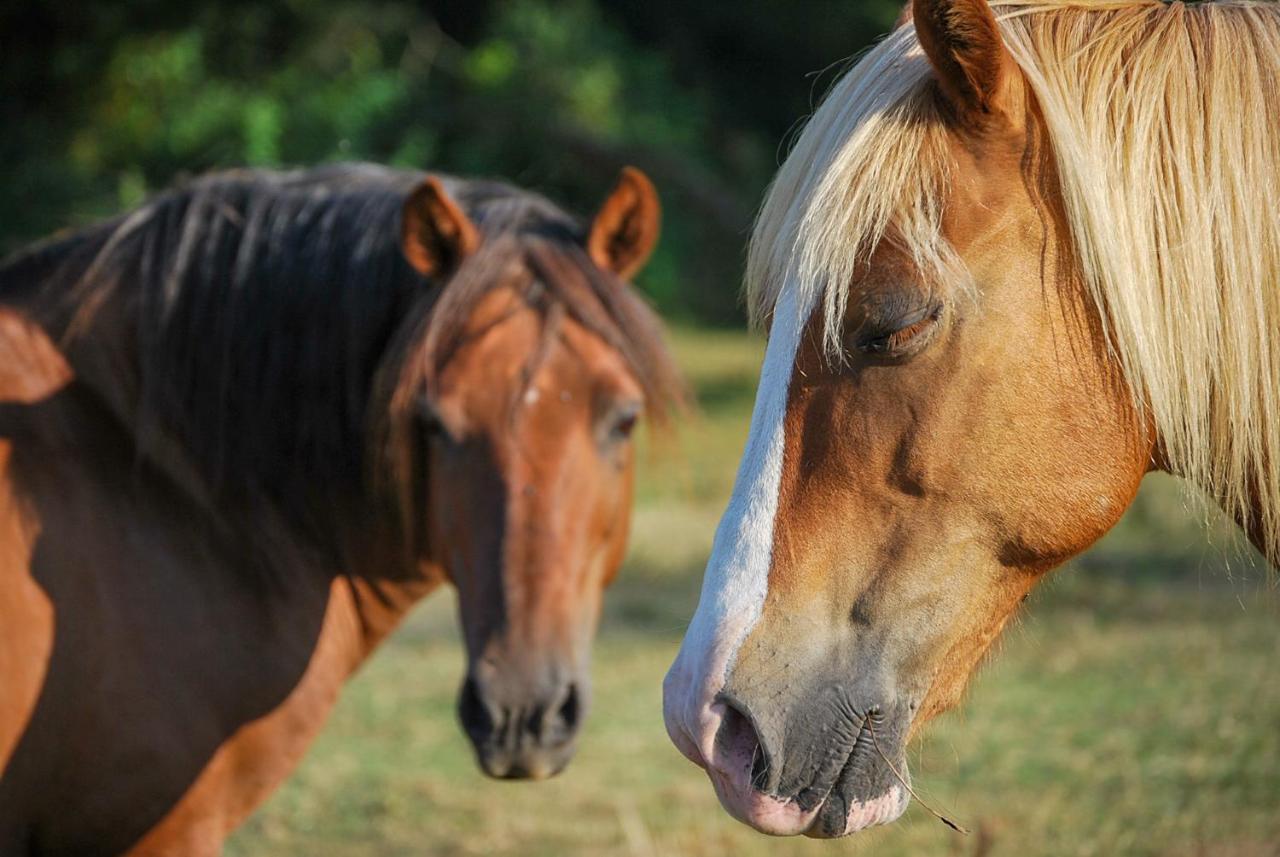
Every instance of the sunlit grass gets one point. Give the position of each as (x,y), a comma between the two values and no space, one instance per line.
(1134,709)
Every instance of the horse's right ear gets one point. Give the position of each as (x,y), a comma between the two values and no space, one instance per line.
(973,67)
(626,229)
(435,233)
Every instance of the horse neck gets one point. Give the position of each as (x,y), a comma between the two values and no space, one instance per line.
(326,528)
(351,550)
(368,559)
(343,534)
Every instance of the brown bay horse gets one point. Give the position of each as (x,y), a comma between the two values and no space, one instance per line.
(246,427)
(1025,253)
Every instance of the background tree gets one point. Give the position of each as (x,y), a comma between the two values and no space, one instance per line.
(104,103)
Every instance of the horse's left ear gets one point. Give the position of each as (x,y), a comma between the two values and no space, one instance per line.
(435,233)
(975,70)
(625,231)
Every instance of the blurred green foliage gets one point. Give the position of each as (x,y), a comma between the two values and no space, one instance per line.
(105,103)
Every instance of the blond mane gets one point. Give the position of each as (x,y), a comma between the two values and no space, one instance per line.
(1162,121)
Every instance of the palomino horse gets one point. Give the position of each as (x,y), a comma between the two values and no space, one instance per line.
(1024,254)
(247,426)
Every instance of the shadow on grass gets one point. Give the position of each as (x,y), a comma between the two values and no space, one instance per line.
(651,601)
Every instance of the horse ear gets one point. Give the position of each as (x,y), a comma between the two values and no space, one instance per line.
(972,64)
(435,233)
(626,229)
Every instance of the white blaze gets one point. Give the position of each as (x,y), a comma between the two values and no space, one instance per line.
(737,575)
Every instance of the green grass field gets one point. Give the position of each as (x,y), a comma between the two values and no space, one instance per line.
(1134,709)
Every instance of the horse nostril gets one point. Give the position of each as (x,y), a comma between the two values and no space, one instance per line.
(569,709)
(559,722)
(472,711)
(738,744)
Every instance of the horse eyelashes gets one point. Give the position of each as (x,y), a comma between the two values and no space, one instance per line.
(895,340)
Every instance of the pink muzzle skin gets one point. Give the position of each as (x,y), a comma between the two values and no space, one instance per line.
(695,726)
(693,719)
(728,765)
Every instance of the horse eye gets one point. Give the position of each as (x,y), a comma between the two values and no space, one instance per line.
(900,340)
(624,422)
(625,426)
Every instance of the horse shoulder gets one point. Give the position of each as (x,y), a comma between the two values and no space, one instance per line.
(261,754)
(133,639)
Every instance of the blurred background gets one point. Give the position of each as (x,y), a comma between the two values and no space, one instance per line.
(1134,708)
(106,102)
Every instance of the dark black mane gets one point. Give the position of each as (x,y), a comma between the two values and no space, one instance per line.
(246,318)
